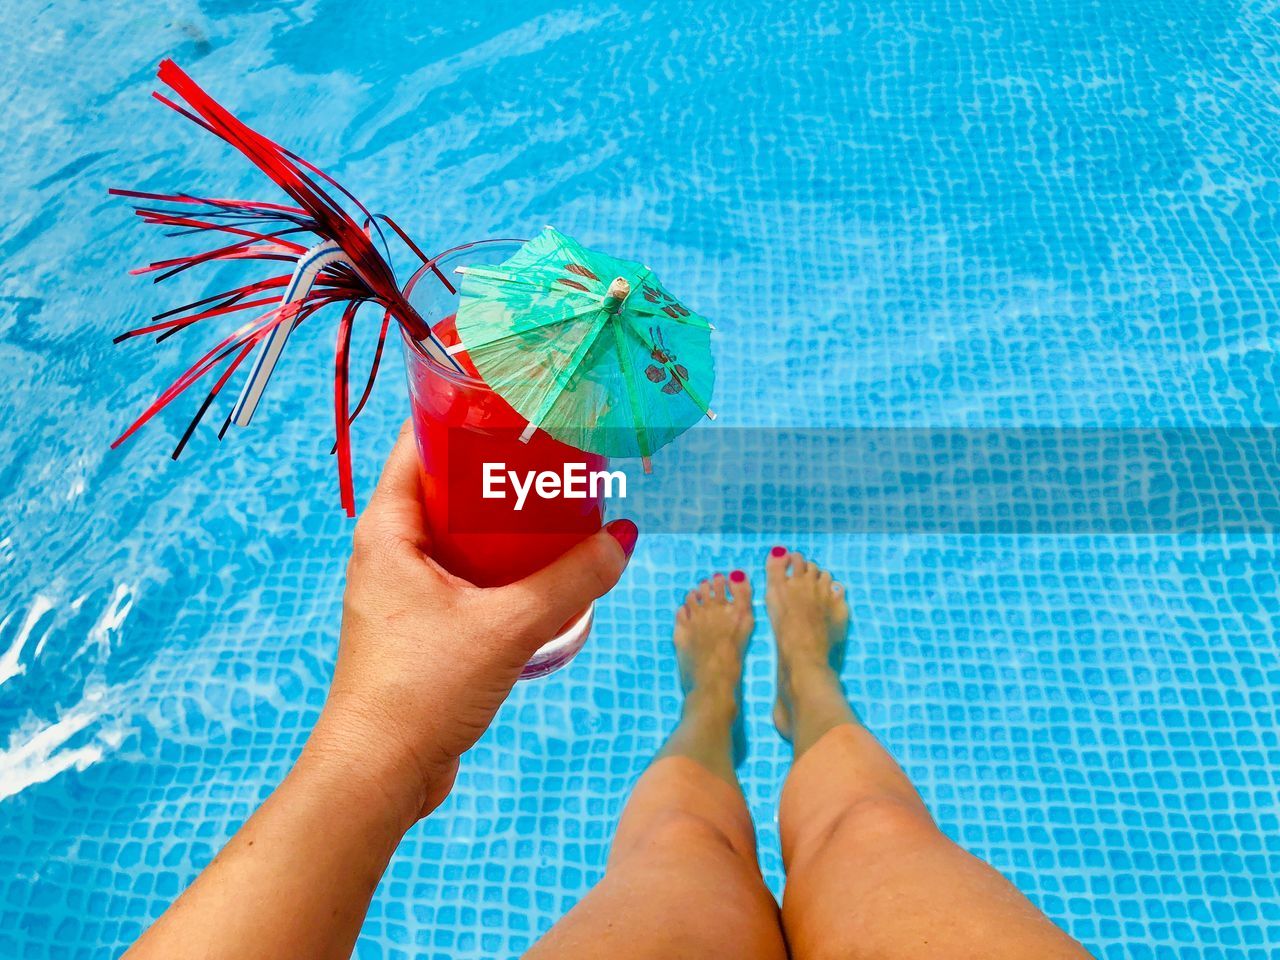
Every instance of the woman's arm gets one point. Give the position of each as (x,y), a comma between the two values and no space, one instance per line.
(424,662)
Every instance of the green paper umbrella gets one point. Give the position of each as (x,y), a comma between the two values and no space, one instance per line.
(591,349)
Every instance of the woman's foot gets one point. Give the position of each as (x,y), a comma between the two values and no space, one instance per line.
(712,628)
(810,625)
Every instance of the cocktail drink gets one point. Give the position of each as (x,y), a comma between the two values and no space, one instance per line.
(469,440)
(541,351)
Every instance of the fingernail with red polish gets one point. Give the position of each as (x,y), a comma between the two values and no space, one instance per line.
(737,576)
(625,532)
(778,552)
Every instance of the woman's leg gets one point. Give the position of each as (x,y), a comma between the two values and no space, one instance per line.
(869,875)
(682,879)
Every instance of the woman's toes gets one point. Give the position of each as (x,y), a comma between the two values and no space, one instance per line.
(775,565)
(796,564)
(739,587)
(824,578)
(692,600)
(718,587)
(704,591)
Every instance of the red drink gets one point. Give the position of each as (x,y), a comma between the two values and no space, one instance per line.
(461,425)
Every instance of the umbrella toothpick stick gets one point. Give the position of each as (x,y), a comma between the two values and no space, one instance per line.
(618,291)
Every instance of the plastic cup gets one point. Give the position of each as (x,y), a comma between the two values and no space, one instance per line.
(461,425)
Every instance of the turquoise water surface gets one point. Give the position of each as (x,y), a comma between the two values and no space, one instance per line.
(950,214)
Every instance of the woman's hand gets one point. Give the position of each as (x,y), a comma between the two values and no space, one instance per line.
(424,662)
(425,659)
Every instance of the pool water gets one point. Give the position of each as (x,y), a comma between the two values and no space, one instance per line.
(913,213)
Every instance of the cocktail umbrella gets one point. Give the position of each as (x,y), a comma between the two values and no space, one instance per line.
(591,349)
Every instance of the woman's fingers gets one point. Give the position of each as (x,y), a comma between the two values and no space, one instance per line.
(546,600)
(394,511)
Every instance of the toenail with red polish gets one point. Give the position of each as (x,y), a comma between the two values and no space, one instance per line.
(778,552)
(737,576)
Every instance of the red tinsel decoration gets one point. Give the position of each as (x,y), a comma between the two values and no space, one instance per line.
(269,232)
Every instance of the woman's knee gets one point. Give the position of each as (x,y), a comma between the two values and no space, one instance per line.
(888,817)
(687,835)
(871,823)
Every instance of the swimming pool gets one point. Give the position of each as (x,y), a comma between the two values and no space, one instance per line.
(960,214)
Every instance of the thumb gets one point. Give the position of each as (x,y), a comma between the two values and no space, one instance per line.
(561,590)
